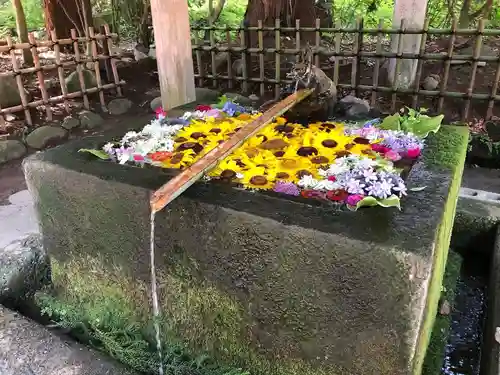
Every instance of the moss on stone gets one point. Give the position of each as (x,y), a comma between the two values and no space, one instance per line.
(440,332)
(449,149)
(268,284)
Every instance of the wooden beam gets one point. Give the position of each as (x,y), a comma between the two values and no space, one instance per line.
(177,185)
(173,52)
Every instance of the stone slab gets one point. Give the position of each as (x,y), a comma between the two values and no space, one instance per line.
(259,281)
(27,348)
(18,218)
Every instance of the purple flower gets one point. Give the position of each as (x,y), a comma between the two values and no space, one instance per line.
(285,187)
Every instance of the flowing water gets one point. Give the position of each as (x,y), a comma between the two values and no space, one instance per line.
(154,294)
(463,350)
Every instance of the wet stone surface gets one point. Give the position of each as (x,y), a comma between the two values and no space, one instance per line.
(463,350)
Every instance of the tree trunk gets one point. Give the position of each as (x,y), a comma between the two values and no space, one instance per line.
(213,14)
(464,20)
(22,30)
(64,15)
(466,16)
(287,11)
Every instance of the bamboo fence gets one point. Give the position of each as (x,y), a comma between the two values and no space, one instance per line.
(78,60)
(356,54)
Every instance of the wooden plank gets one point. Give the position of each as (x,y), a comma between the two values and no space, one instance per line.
(177,185)
(173,52)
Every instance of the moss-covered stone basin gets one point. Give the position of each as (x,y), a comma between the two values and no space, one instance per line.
(256,281)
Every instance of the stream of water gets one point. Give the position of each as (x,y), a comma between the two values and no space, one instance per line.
(463,350)
(154,294)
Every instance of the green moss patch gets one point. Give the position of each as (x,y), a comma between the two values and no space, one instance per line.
(449,149)
(102,311)
(440,332)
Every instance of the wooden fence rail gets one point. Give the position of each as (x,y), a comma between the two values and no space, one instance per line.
(264,77)
(77,60)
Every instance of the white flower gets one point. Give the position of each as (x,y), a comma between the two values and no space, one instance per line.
(327,185)
(308,182)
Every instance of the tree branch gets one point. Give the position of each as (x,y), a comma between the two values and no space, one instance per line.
(485,9)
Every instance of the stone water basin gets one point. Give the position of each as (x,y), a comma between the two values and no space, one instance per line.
(258,281)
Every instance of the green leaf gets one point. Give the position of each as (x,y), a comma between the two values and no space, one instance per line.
(417,188)
(425,126)
(391,123)
(98,153)
(222,100)
(392,201)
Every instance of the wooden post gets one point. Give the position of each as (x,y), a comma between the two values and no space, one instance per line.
(413,12)
(173,52)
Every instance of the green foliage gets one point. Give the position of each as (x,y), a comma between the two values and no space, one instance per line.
(32,9)
(112,331)
(98,153)
(413,121)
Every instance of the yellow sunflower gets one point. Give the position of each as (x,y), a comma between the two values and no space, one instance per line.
(257,178)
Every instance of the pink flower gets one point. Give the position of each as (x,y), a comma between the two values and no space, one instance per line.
(353,199)
(380,148)
(332,178)
(160,113)
(138,157)
(392,155)
(213,113)
(413,153)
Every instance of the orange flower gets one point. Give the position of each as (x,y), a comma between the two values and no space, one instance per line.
(160,156)
(244,117)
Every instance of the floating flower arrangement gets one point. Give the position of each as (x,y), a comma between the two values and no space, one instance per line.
(355,165)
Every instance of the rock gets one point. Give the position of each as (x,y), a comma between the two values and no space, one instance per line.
(207,95)
(493,129)
(23,268)
(238,98)
(28,348)
(9,93)
(156,103)
(140,52)
(70,122)
(11,150)
(152,53)
(354,107)
(50,83)
(9,117)
(73,81)
(431,82)
(238,67)
(445,308)
(221,60)
(119,106)
(90,120)
(45,136)
(486,51)
(254,98)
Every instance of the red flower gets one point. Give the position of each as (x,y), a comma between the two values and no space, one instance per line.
(380,148)
(312,194)
(413,153)
(332,178)
(337,195)
(160,156)
(203,108)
